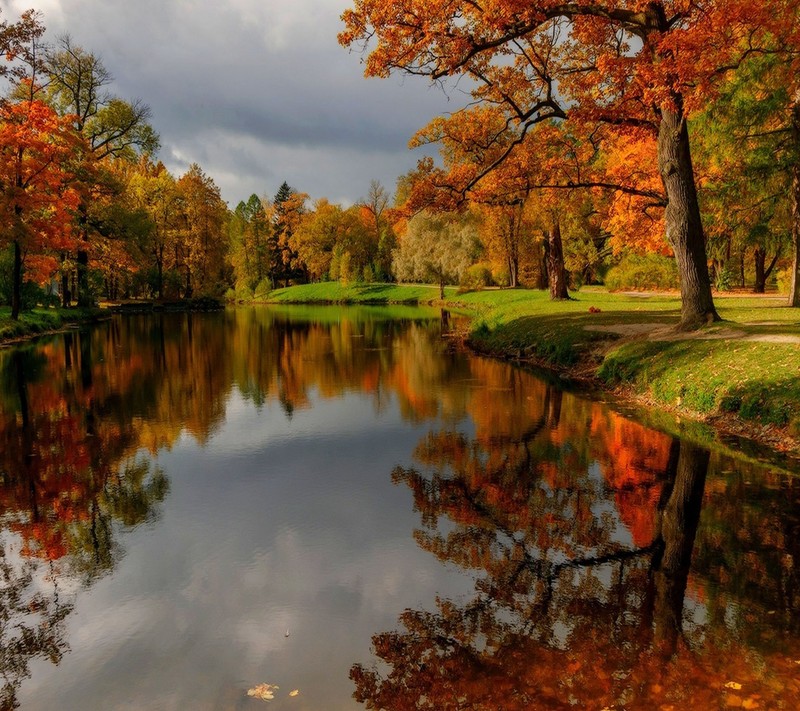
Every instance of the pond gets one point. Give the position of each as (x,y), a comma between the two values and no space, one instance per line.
(336,508)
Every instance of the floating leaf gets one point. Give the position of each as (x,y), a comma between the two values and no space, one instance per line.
(265,692)
(736,686)
(294,693)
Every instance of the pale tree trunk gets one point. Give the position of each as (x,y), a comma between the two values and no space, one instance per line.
(684,226)
(65,295)
(794,291)
(557,275)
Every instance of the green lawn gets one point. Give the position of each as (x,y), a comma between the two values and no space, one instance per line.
(332,292)
(748,364)
(41,320)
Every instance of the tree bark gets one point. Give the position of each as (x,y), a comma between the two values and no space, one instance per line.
(84,297)
(65,295)
(543,280)
(684,226)
(16,282)
(760,257)
(794,290)
(557,275)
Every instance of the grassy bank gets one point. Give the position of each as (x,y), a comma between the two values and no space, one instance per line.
(332,292)
(32,323)
(744,371)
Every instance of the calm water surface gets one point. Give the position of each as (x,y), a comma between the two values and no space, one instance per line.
(334,502)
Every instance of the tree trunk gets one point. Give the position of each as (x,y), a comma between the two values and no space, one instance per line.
(794,291)
(543,279)
(16,285)
(684,226)
(65,296)
(741,270)
(556,273)
(513,280)
(84,297)
(761,278)
(441,289)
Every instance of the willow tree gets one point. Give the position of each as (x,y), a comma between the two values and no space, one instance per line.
(641,68)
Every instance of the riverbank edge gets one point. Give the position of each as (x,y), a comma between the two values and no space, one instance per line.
(46,322)
(710,430)
(583,358)
(585,367)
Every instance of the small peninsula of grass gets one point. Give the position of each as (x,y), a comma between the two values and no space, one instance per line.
(334,292)
(42,320)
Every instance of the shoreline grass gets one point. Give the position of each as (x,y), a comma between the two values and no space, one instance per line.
(746,366)
(332,292)
(43,320)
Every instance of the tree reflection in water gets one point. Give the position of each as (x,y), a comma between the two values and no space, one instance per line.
(601,581)
(68,481)
(582,548)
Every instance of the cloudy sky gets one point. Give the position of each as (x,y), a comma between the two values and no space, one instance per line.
(255,91)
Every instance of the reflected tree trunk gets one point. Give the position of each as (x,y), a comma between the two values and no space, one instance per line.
(677,527)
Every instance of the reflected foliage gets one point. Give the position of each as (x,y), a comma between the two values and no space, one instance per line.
(614,567)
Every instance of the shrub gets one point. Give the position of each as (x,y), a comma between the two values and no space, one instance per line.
(244,293)
(262,288)
(724,277)
(648,271)
(501,277)
(478,276)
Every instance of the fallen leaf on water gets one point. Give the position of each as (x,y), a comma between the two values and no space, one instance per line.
(733,685)
(265,692)
(294,693)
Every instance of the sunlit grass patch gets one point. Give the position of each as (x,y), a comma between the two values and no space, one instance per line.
(334,292)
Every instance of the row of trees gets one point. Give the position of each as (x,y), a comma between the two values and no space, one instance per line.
(84,207)
(577,144)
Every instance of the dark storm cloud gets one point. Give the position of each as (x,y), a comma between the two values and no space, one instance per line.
(255,91)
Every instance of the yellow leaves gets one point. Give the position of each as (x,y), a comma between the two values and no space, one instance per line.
(265,692)
(733,685)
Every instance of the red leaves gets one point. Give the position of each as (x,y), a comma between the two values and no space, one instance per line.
(38,152)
